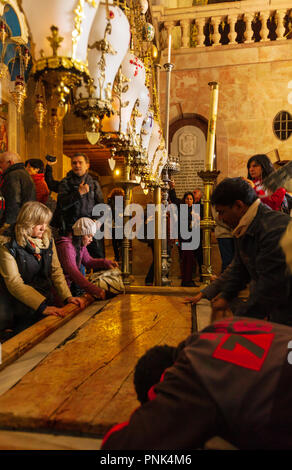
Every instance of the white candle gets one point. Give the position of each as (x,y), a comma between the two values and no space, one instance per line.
(169,48)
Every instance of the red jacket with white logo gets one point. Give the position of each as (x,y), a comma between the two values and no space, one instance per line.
(233,379)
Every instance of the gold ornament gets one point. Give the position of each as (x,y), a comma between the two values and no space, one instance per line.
(19,93)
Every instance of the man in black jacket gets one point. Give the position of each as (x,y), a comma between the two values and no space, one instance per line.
(77,196)
(259,260)
(232,379)
(17,187)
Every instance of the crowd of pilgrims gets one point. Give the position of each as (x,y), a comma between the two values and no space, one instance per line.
(48,247)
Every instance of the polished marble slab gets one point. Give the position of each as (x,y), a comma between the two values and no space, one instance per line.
(18,369)
(15,440)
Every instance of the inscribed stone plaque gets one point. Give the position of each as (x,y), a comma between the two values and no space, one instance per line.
(189,144)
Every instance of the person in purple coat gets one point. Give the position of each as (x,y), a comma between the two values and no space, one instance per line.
(72,253)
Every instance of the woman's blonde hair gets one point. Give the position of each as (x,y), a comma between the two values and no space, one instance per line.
(31,214)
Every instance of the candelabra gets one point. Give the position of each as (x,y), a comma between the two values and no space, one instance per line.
(165,264)
(209,177)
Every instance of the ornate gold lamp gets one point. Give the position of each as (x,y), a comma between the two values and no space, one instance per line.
(18,92)
(4,36)
(60,31)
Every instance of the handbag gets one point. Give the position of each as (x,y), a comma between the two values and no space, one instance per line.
(110,280)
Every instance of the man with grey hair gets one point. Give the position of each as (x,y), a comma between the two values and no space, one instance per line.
(17,187)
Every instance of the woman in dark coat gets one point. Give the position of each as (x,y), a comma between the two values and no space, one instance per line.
(187,256)
(32,282)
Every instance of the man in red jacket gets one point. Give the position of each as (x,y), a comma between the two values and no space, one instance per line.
(232,379)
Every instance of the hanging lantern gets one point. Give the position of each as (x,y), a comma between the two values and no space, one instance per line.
(19,92)
(54,122)
(70,25)
(108,43)
(3,33)
(60,31)
(130,83)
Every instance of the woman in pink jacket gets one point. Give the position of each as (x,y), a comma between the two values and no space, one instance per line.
(72,253)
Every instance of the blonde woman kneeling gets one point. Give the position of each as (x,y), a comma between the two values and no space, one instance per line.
(32,282)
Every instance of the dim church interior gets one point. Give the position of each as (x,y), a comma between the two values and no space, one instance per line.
(253,70)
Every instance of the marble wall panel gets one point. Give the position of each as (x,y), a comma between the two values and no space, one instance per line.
(250,95)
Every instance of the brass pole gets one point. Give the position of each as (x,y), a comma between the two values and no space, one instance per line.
(126,241)
(128,185)
(165,178)
(157,241)
(209,177)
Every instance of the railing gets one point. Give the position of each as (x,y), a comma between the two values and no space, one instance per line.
(224,24)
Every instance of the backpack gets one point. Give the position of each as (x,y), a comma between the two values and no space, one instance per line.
(110,280)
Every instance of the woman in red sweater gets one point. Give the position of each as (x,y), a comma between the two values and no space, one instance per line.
(35,168)
(259,167)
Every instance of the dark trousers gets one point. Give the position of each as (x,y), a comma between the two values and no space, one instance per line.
(199,258)
(188,261)
(117,246)
(96,248)
(226,247)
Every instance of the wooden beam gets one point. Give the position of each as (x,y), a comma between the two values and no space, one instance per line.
(24,341)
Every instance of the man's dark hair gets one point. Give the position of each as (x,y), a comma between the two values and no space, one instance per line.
(79,154)
(265,163)
(231,190)
(35,163)
(150,367)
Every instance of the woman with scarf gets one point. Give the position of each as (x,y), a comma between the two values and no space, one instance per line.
(259,167)
(32,282)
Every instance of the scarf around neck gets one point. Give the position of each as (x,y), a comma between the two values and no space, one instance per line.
(36,245)
(246,219)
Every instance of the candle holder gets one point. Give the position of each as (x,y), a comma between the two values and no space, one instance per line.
(209,177)
(165,261)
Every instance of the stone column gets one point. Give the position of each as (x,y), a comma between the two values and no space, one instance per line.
(248,32)
(200,23)
(280,31)
(232,34)
(216,36)
(264,16)
(168,25)
(185,27)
